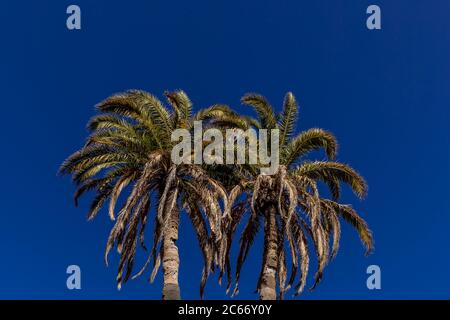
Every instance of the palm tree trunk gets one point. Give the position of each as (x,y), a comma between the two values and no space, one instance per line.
(268,285)
(170,258)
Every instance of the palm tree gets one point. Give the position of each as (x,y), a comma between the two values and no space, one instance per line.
(129,149)
(290,205)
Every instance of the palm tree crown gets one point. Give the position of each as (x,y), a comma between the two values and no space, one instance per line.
(130,143)
(289,202)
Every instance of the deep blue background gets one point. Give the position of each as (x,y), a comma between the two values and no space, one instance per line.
(385,94)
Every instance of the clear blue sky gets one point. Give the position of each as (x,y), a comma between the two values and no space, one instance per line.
(385,94)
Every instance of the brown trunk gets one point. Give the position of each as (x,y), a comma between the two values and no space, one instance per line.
(268,285)
(170,259)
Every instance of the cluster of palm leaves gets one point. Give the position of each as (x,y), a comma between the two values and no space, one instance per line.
(128,152)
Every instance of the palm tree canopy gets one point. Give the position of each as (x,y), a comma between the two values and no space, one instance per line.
(303,214)
(129,149)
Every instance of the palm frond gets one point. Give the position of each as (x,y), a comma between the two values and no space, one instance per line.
(262,107)
(181,102)
(307,141)
(352,217)
(288,118)
(326,171)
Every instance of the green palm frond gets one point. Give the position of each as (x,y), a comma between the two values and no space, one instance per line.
(158,112)
(128,104)
(109,121)
(180,102)
(216,111)
(288,118)
(325,171)
(134,143)
(307,141)
(116,157)
(264,110)
(143,108)
(352,217)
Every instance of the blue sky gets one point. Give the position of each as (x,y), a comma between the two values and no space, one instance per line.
(384,94)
